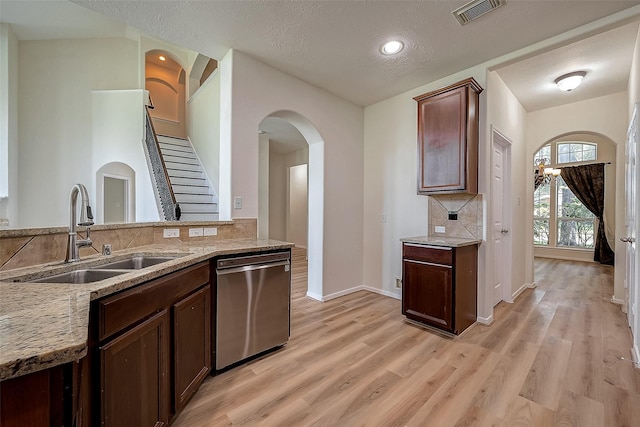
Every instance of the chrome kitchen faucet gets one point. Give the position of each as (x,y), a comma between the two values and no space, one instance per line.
(86,219)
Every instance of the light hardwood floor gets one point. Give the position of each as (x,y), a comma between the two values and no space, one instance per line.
(558,356)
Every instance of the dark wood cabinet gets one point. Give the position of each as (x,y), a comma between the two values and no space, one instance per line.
(135,375)
(192,344)
(439,285)
(448,139)
(154,346)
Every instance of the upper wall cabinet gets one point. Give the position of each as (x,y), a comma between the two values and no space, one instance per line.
(448,139)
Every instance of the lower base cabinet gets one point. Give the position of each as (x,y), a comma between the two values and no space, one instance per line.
(135,375)
(152,350)
(439,285)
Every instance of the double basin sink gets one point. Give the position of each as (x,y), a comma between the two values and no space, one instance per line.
(103,271)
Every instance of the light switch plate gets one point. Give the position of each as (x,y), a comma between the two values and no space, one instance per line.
(440,229)
(171,232)
(210,231)
(196,232)
(237,202)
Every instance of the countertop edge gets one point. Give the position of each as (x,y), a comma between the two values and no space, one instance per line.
(36,357)
(449,242)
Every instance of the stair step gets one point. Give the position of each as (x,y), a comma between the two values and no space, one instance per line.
(194,198)
(175,147)
(179,154)
(199,207)
(191,189)
(177,173)
(178,167)
(174,140)
(199,217)
(176,180)
(180,160)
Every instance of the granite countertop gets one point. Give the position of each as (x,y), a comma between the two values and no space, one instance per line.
(449,242)
(46,324)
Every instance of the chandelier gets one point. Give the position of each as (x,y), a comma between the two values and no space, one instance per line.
(543,174)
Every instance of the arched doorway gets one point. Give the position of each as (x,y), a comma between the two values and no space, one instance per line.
(293,132)
(165,79)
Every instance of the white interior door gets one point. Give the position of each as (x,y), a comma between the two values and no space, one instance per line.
(500,237)
(631,283)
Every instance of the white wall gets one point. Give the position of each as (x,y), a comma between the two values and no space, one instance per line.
(118,132)
(298,204)
(8,126)
(607,116)
(54,110)
(258,91)
(506,115)
(203,127)
(634,78)
(277,196)
(392,208)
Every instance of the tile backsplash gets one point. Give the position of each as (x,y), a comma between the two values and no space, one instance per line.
(468,208)
(27,247)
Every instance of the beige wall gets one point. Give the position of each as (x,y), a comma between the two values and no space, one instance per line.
(605,116)
(333,127)
(203,129)
(56,78)
(8,127)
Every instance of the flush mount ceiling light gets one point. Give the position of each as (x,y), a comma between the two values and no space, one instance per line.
(392,47)
(162,58)
(570,81)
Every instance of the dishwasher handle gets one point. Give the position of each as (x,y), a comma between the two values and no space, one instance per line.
(240,261)
(241,269)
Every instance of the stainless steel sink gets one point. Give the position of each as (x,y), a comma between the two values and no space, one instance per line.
(135,263)
(81,276)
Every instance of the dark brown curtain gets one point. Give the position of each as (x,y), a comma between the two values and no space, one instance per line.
(587,183)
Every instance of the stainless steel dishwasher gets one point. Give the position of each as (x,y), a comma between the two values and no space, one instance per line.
(252,305)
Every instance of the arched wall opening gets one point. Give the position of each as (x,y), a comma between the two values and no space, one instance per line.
(165,80)
(548,241)
(315,204)
(111,203)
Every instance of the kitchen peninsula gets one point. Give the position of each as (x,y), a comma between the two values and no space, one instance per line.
(52,326)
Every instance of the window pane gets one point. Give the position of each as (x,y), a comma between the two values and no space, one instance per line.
(576,152)
(577,233)
(568,204)
(541,201)
(543,153)
(541,232)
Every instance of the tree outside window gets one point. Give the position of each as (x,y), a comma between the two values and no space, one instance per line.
(559,218)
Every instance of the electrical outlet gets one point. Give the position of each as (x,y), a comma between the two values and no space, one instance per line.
(210,231)
(440,229)
(384,218)
(237,202)
(398,283)
(171,232)
(196,232)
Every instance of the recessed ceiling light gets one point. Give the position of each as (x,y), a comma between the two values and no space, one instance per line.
(392,47)
(162,58)
(570,81)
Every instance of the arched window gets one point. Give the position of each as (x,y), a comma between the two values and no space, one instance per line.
(559,218)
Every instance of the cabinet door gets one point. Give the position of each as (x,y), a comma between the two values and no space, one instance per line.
(442,142)
(192,344)
(427,293)
(135,376)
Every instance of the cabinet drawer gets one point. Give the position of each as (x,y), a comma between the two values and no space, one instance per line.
(119,311)
(428,254)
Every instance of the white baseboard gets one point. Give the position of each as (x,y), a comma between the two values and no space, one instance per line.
(485,320)
(616,300)
(314,296)
(635,354)
(339,294)
(521,289)
(382,292)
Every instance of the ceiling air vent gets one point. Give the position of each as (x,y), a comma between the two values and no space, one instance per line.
(476,9)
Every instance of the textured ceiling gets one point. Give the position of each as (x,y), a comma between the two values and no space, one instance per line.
(606,58)
(335,44)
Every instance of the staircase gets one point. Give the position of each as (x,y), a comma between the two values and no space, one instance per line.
(190,185)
